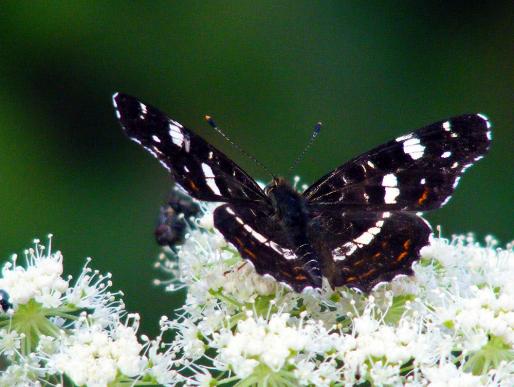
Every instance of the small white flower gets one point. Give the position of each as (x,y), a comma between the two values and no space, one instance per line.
(10,342)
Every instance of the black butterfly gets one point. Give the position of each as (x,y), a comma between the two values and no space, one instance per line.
(356,226)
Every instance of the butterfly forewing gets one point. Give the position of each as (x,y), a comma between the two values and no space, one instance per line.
(415,172)
(197,166)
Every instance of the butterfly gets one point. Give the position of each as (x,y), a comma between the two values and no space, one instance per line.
(358,226)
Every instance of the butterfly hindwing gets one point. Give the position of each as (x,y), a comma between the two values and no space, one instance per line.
(197,166)
(261,240)
(361,249)
(415,172)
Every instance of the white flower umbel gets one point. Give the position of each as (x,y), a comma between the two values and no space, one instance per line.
(453,322)
(56,331)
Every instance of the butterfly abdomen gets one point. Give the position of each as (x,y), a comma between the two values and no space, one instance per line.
(292,214)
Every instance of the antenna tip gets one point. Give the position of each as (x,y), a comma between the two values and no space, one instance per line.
(210,121)
(317,128)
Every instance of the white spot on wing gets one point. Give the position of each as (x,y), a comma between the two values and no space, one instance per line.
(151,151)
(340,253)
(255,234)
(466,167)
(176,123)
(364,239)
(403,138)
(391,193)
(143,111)
(389,180)
(230,211)
(207,171)
(484,117)
(447,126)
(422,181)
(446,154)
(286,253)
(209,178)
(155,138)
(349,247)
(176,135)
(446,200)
(413,148)
(165,165)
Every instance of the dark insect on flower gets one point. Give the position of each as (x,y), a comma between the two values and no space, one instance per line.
(171,226)
(359,225)
(5,305)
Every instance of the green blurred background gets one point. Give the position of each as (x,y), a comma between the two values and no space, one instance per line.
(267,71)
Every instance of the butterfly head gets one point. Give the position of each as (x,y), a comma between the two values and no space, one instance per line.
(276,183)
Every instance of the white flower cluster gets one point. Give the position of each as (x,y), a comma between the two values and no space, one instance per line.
(452,323)
(53,330)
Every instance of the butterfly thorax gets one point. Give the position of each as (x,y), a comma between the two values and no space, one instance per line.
(290,208)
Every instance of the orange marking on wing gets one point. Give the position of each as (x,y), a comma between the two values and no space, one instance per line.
(368,273)
(401,256)
(359,262)
(351,279)
(376,255)
(250,253)
(239,241)
(424,196)
(406,244)
(300,277)
(193,186)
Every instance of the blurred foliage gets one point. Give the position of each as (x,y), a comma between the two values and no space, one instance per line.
(267,71)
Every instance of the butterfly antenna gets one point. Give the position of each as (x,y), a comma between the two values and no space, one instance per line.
(211,122)
(314,135)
